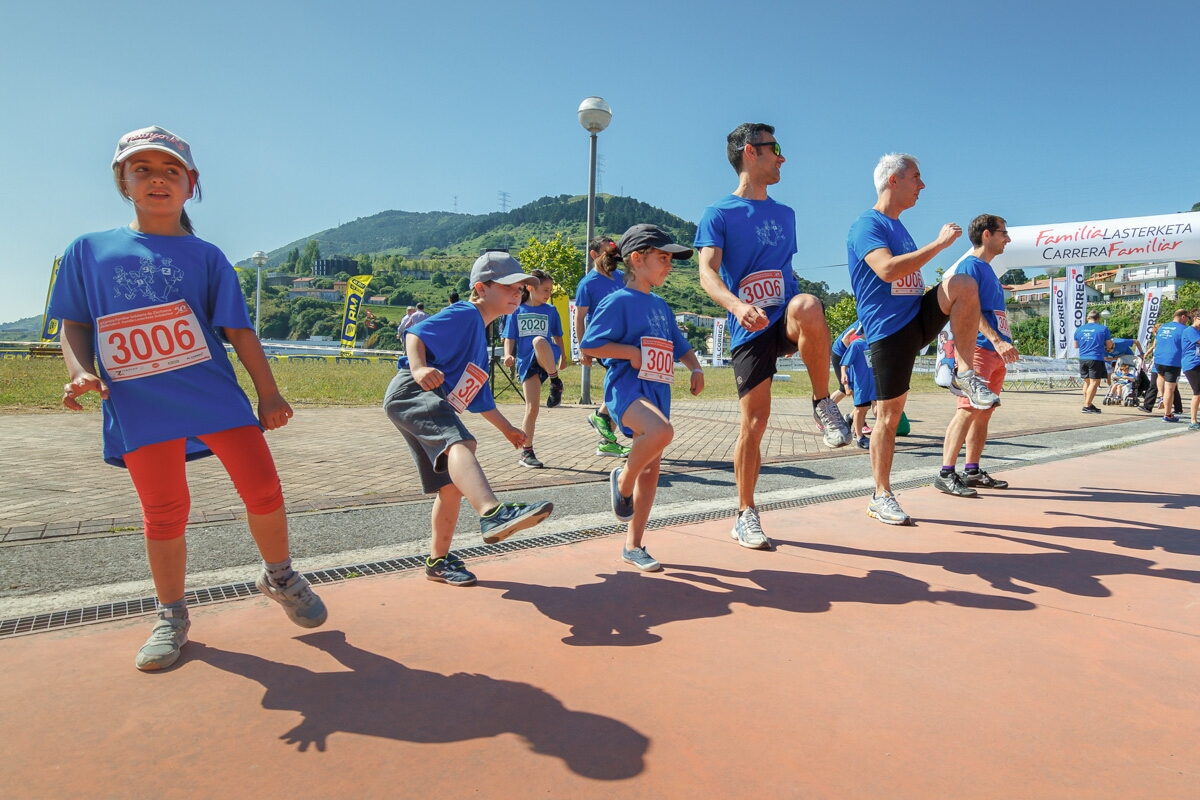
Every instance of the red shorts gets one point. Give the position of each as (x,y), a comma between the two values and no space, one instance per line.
(160,477)
(989,366)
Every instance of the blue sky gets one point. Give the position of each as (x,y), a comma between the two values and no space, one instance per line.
(302,114)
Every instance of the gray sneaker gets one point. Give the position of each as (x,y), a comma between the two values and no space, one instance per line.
(622,506)
(507,518)
(829,419)
(975,389)
(161,650)
(299,601)
(748,532)
(955,485)
(640,559)
(886,509)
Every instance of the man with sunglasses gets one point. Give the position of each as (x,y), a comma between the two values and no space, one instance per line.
(901,318)
(746,242)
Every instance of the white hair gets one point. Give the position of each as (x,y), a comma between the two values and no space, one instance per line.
(892,164)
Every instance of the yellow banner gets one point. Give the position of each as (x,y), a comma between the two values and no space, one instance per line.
(50,326)
(355,289)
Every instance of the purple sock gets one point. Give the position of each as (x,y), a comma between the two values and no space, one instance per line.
(972,468)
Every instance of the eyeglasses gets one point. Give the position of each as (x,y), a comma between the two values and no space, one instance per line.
(778,151)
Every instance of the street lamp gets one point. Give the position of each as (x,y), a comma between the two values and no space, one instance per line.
(1105,314)
(259,258)
(594,116)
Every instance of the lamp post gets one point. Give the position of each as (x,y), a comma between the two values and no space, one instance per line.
(594,116)
(1104,315)
(259,258)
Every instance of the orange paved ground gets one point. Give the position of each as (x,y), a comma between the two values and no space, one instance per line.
(1039,643)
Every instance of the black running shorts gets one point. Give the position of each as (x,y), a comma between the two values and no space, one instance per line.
(1169,374)
(1193,376)
(754,361)
(893,356)
(1095,370)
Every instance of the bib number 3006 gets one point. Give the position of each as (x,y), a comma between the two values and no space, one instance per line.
(658,360)
(149,341)
(472,380)
(763,289)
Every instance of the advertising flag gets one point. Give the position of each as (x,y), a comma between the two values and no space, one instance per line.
(570,323)
(1058,318)
(718,357)
(356,287)
(1076,307)
(1151,303)
(50,325)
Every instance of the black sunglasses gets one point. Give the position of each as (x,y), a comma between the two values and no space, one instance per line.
(778,151)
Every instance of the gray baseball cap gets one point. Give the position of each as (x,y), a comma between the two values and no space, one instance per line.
(154,138)
(645,235)
(498,266)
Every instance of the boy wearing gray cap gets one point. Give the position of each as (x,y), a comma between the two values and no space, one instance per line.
(444,373)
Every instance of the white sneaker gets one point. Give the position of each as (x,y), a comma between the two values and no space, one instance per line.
(975,389)
(747,531)
(829,420)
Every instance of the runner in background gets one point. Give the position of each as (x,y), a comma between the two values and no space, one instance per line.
(1168,359)
(843,340)
(746,243)
(533,341)
(598,283)
(856,373)
(147,300)
(1094,340)
(1191,364)
(993,350)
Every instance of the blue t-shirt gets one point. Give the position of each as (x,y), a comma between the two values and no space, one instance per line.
(526,324)
(455,338)
(857,362)
(883,307)
(991,299)
(757,240)
(154,303)
(624,317)
(1092,338)
(1168,344)
(839,349)
(1191,348)
(596,286)
(1122,347)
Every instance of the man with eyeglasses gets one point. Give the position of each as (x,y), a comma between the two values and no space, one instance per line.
(901,318)
(993,350)
(746,242)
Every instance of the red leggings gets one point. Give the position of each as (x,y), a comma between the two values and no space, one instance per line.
(160,477)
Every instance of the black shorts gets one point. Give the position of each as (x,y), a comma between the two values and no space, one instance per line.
(1094,370)
(894,355)
(1169,374)
(754,361)
(1193,376)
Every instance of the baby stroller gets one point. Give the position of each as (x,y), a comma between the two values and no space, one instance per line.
(1122,390)
(1141,384)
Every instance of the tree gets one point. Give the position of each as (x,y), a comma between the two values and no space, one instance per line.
(1014,277)
(312,251)
(558,258)
(438,279)
(1195,206)
(842,315)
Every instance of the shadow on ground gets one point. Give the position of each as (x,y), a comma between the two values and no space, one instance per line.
(381,697)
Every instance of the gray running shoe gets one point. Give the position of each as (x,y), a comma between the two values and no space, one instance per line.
(982,479)
(829,419)
(975,389)
(528,459)
(748,532)
(953,484)
(161,650)
(640,559)
(448,569)
(886,509)
(299,601)
(622,506)
(507,518)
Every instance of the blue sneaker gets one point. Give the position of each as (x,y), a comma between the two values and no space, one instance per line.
(448,569)
(863,443)
(299,601)
(640,559)
(622,506)
(507,518)
(1194,427)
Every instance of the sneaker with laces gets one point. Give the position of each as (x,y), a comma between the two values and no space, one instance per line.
(747,531)
(983,480)
(528,459)
(953,484)
(603,427)
(161,650)
(448,569)
(863,443)
(622,506)
(612,450)
(886,509)
(1170,418)
(1193,426)
(640,559)
(507,518)
(975,389)
(299,601)
(829,420)
(556,390)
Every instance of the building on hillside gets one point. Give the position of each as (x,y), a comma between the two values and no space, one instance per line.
(694,320)
(328,295)
(328,267)
(1038,291)
(1134,280)
(1102,280)
(377,300)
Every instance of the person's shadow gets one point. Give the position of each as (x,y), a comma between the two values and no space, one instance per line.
(623,607)
(381,697)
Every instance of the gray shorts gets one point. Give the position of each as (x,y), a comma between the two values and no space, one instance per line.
(428,423)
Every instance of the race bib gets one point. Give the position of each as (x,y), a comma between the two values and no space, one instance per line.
(1002,324)
(658,360)
(909,285)
(533,325)
(149,341)
(867,354)
(472,380)
(763,289)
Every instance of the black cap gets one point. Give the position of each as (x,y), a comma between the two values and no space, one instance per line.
(642,236)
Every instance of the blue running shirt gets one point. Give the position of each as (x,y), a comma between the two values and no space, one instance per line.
(455,342)
(857,362)
(1191,348)
(1168,344)
(991,299)
(883,307)
(526,324)
(1091,339)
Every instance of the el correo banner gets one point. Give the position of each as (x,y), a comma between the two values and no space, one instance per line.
(356,287)
(1151,302)
(718,358)
(1164,237)
(1076,307)
(575,354)
(1058,318)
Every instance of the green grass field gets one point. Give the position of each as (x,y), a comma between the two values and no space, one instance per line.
(36,384)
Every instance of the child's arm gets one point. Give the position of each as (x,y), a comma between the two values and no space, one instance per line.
(510,348)
(427,377)
(273,410)
(693,363)
(78,352)
(621,352)
(562,352)
(510,431)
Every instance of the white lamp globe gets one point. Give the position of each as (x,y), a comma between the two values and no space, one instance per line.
(594,114)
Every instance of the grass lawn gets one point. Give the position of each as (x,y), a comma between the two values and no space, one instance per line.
(36,384)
